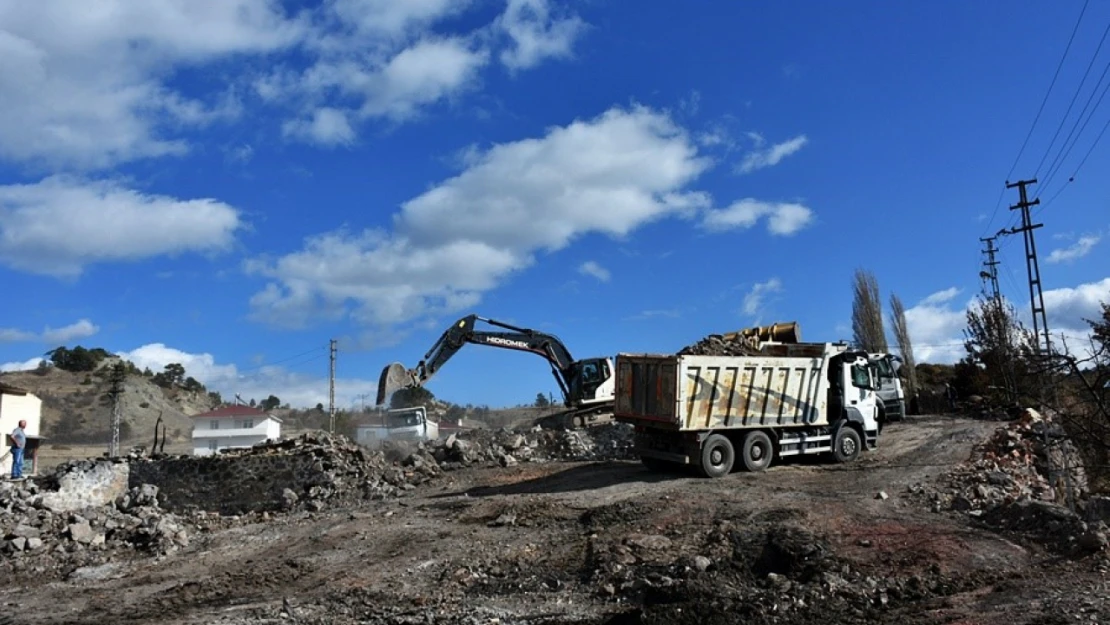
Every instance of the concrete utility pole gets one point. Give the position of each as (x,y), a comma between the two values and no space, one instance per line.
(118,374)
(1036,295)
(331,387)
(991,272)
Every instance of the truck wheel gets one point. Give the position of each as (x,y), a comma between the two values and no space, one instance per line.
(757,451)
(846,444)
(717,456)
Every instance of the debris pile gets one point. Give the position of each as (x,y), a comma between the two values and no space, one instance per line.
(133,522)
(1024,479)
(611,441)
(734,344)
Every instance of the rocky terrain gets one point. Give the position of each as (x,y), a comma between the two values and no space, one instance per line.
(950,520)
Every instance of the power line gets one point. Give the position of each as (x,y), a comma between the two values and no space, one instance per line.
(284,360)
(1040,110)
(1078,89)
(1062,155)
(1071,178)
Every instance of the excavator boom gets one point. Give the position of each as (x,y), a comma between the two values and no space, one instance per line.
(395,376)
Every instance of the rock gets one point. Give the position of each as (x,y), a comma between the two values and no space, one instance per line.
(648,542)
(961,504)
(514,443)
(25,531)
(863,542)
(999,478)
(81,532)
(702,563)
(882,495)
(289,498)
(34,543)
(1093,541)
(18,543)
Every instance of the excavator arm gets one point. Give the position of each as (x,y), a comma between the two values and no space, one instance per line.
(395,377)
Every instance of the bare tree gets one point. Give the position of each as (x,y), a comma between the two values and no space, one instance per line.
(998,342)
(867,314)
(902,336)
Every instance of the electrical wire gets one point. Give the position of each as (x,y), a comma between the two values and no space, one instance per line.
(1052,84)
(284,360)
(1062,155)
(1075,96)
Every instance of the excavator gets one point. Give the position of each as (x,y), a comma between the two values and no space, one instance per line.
(587,385)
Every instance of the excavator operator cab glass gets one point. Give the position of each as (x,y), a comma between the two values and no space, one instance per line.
(590,372)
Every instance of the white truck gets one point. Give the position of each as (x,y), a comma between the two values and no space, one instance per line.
(401,424)
(716,412)
(892,397)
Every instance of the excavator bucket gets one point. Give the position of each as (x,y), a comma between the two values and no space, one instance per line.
(394,377)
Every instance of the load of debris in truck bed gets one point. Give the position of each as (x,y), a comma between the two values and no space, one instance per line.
(746,342)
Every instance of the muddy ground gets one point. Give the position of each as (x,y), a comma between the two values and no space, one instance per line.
(610,542)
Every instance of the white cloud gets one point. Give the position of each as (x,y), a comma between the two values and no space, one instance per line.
(26,365)
(60,224)
(940,297)
(607,175)
(80,329)
(91,85)
(760,158)
(327,127)
(782,218)
(591,268)
(755,299)
(935,328)
(536,34)
(295,384)
(1075,251)
(84,83)
(1068,308)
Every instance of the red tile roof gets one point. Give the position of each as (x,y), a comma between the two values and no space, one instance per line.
(234,411)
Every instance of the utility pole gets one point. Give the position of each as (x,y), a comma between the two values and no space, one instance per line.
(991,271)
(115,391)
(1036,295)
(331,387)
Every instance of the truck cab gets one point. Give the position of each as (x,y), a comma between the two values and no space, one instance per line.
(892,398)
(401,424)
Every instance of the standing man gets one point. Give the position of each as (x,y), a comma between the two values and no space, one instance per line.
(19,441)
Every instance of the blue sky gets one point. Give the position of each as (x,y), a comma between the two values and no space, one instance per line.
(231,184)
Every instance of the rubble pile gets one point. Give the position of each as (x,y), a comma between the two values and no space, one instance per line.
(1024,479)
(611,441)
(134,522)
(722,345)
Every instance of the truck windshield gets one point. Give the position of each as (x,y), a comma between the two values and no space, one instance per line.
(403,419)
(860,377)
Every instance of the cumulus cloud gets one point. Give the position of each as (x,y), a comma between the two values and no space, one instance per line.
(537,34)
(301,384)
(1075,251)
(80,329)
(57,226)
(935,325)
(84,83)
(592,268)
(756,298)
(782,218)
(1068,308)
(89,85)
(26,365)
(608,175)
(760,158)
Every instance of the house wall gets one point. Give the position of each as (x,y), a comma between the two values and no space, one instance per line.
(12,409)
(230,433)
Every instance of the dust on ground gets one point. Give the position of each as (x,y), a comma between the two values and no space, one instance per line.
(549,541)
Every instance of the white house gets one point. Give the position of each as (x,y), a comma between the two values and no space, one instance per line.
(17,404)
(233,426)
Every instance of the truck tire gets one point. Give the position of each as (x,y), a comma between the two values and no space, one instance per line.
(757,451)
(846,444)
(717,456)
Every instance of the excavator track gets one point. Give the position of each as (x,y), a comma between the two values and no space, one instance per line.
(578,418)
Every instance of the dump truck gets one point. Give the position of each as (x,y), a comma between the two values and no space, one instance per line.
(401,424)
(721,412)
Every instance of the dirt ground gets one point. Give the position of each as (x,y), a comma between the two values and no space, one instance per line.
(611,542)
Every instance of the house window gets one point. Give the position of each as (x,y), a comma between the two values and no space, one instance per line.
(212,445)
(248,423)
(214,424)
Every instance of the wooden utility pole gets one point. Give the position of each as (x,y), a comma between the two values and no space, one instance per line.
(331,387)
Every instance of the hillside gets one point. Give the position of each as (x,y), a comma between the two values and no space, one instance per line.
(76,407)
